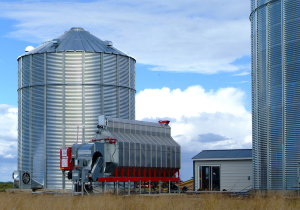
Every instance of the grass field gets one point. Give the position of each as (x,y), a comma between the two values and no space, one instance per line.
(5,185)
(155,202)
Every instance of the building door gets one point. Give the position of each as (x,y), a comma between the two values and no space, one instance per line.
(215,178)
(205,183)
(210,178)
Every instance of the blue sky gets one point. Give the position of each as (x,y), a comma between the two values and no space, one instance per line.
(193,56)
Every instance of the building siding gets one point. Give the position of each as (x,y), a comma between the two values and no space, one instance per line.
(233,174)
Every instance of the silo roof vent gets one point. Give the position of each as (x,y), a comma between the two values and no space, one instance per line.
(76,29)
(27,49)
(56,41)
(108,43)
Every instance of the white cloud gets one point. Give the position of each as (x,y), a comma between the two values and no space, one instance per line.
(6,170)
(240,82)
(9,156)
(8,131)
(199,119)
(244,73)
(8,141)
(234,132)
(189,36)
(193,101)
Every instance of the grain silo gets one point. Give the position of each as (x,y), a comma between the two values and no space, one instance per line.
(64,85)
(275,30)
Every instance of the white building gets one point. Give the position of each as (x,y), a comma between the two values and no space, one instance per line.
(218,170)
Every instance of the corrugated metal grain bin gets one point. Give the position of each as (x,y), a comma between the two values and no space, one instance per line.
(275,30)
(65,83)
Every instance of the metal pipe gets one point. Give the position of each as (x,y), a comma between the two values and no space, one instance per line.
(149,186)
(128,187)
(77,135)
(83,96)
(117,187)
(140,187)
(159,187)
(45,121)
(63,181)
(169,186)
(83,137)
(298,176)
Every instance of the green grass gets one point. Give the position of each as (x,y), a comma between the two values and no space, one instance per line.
(5,185)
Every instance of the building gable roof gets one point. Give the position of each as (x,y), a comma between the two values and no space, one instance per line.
(219,154)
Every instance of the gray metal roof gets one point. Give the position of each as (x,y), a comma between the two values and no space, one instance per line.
(134,131)
(76,39)
(232,153)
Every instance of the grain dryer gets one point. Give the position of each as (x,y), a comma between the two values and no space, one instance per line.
(121,151)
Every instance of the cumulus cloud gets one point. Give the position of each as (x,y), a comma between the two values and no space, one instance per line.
(9,156)
(187,36)
(8,131)
(194,100)
(244,73)
(8,141)
(210,137)
(195,133)
(199,119)
(7,167)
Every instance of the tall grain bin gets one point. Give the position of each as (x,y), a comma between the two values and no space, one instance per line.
(275,93)
(64,85)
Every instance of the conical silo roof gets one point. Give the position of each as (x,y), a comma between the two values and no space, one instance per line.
(76,39)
